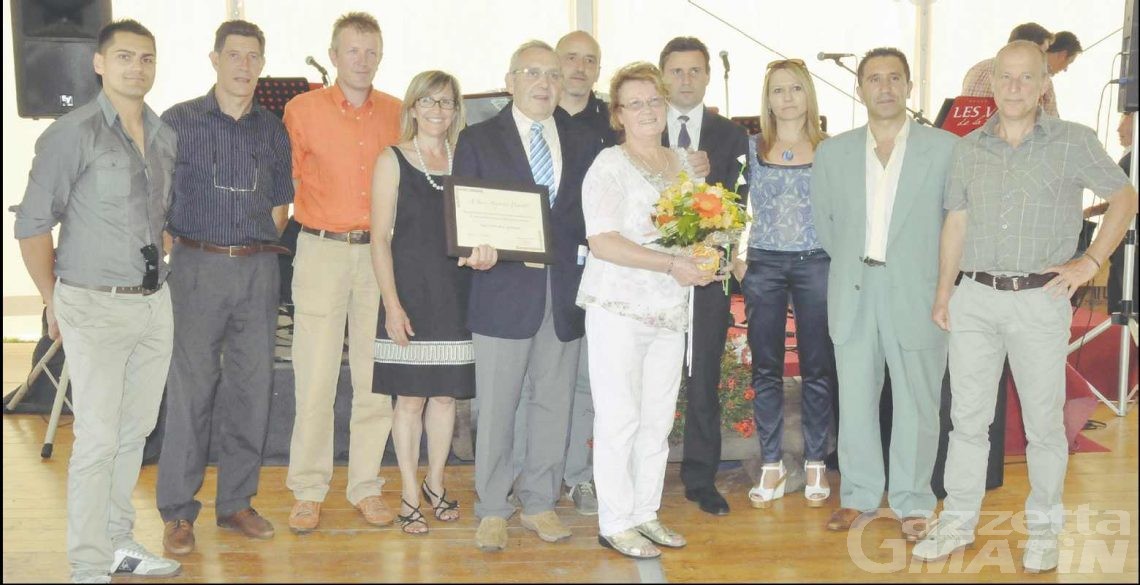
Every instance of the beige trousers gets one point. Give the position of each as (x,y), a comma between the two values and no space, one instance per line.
(333,281)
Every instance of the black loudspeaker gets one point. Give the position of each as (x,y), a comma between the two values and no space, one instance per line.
(53,42)
(1129,60)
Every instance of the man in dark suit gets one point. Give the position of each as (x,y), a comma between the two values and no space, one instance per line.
(522,316)
(684,64)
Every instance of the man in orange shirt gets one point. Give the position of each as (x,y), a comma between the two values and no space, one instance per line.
(336,134)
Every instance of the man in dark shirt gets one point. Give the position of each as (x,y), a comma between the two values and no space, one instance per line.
(581,59)
(103,173)
(231,197)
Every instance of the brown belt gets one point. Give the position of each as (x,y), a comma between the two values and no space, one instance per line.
(1013,283)
(234,251)
(118,290)
(353,237)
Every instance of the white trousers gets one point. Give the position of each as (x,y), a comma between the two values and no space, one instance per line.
(635,372)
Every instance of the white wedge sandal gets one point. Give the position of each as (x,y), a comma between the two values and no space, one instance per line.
(762,497)
(815,493)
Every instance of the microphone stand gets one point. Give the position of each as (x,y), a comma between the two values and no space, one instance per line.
(726,114)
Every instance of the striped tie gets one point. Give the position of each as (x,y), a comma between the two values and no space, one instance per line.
(683,139)
(541,163)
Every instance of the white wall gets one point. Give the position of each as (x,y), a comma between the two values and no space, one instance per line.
(475,39)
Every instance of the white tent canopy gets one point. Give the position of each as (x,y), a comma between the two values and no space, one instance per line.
(474,40)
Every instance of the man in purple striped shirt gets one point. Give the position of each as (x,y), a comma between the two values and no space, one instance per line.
(233,185)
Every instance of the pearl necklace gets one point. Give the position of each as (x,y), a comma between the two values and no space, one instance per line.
(423,165)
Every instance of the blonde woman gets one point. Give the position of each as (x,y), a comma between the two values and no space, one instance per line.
(424,357)
(786,259)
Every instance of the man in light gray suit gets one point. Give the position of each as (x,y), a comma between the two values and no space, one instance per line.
(877,194)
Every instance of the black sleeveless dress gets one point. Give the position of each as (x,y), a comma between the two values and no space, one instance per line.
(440,360)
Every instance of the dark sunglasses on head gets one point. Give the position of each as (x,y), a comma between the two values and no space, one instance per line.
(782,62)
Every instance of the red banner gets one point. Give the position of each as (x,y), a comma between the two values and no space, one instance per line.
(967,114)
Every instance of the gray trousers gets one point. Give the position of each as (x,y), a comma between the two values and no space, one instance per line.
(916,389)
(579,465)
(501,365)
(118,352)
(1033,329)
(225,324)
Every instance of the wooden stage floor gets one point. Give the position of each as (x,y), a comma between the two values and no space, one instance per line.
(785,543)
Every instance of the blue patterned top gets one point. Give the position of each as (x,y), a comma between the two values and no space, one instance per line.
(781,205)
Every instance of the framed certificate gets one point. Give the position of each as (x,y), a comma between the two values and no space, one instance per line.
(512,218)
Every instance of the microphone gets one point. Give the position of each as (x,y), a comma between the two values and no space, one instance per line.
(313,63)
(833,56)
(724,60)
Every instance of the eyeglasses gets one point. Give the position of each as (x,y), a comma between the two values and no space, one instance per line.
(150,257)
(236,189)
(427,102)
(534,73)
(783,62)
(638,105)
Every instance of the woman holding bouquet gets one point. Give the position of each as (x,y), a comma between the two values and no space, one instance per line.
(636,299)
(424,357)
(785,258)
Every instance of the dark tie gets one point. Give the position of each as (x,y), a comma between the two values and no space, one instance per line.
(683,139)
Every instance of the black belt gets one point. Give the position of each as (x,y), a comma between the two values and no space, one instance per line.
(353,237)
(119,290)
(234,251)
(1013,283)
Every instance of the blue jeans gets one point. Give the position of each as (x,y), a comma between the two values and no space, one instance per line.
(771,276)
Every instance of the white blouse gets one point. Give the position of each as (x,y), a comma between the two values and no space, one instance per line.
(618,197)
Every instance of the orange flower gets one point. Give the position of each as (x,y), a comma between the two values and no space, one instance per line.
(707,204)
(749,394)
(664,219)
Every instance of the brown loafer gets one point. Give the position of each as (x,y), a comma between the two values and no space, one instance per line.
(305,516)
(375,511)
(249,523)
(178,537)
(842,519)
(915,528)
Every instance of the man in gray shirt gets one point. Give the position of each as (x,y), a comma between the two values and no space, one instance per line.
(104,173)
(1014,213)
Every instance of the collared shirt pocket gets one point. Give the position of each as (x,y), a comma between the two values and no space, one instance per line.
(113,171)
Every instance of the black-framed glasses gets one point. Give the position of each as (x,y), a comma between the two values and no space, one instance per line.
(534,73)
(427,102)
(782,62)
(150,257)
(232,188)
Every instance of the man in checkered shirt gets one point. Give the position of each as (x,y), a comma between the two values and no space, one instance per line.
(978,82)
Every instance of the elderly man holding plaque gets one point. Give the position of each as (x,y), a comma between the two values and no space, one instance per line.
(522,315)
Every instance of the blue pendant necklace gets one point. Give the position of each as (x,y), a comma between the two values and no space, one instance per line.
(788,154)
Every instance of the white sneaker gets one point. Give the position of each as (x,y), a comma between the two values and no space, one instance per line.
(133,559)
(1041,554)
(943,540)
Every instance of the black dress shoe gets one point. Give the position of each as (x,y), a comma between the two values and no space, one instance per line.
(709,500)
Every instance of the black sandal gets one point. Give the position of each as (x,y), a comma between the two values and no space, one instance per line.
(439,503)
(414,517)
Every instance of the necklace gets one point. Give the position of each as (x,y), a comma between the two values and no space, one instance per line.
(420,157)
(645,167)
(789,152)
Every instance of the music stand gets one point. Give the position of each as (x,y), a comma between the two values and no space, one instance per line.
(61,384)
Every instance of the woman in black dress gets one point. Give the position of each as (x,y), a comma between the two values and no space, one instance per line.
(424,357)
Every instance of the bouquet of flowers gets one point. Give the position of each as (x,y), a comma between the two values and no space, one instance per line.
(698,217)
